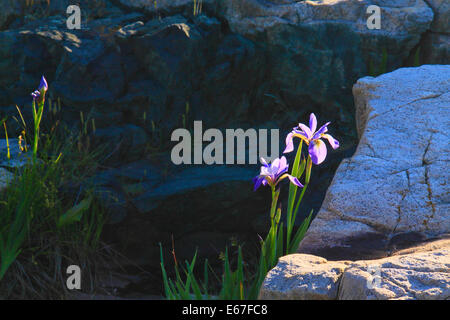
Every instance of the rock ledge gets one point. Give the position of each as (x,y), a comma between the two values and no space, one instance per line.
(419,273)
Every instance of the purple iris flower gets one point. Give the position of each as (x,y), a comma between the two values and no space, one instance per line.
(43,87)
(273,173)
(316,147)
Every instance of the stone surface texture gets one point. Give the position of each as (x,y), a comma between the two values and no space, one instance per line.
(421,273)
(396,183)
(303,277)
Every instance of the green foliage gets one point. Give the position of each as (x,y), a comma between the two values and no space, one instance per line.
(75,213)
(233,282)
(198,5)
(417,60)
(45,223)
(185,116)
(37,118)
(185,290)
(238,284)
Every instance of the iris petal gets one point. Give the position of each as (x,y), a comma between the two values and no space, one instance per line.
(43,85)
(332,141)
(36,94)
(312,122)
(318,151)
(265,171)
(257,181)
(322,130)
(283,167)
(263,162)
(289,143)
(273,167)
(302,136)
(295,181)
(306,130)
(275,163)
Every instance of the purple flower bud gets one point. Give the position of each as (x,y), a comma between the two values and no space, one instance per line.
(43,86)
(39,94)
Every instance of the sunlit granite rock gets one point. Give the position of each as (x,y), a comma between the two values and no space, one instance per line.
(396,183)
(422,273)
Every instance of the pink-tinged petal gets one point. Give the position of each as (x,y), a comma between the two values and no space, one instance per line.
(332,141)
(283,165)
(289,143)
(318,151)
(322,130)
(263,162)
(275,165)
(306,130)
(295,181)
(265,171)
(312,122)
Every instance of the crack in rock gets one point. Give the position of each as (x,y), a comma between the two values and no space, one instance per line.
(427,182)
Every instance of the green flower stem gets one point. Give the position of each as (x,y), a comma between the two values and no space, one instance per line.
(292,195)
(273,208)
(307,179)
(272,236)
(37,117)
(308,170)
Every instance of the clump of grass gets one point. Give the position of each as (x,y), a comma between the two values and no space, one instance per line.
(244,283)
(49,215)
(198,6)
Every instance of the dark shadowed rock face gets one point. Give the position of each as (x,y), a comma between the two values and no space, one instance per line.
(238,62)
(136,70)
(435,43)
(138,75)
